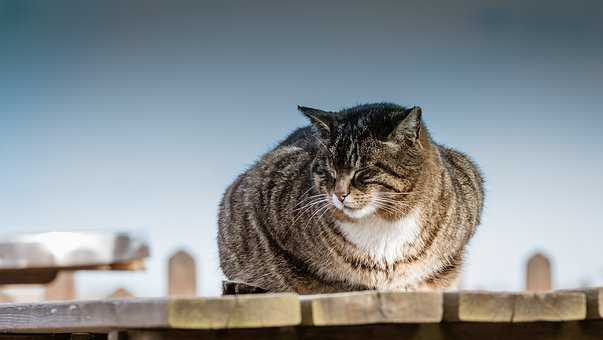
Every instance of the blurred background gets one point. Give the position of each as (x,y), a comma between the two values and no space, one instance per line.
(136,115)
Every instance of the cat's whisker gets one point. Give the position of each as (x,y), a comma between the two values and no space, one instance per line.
(390,206)
(312,203)
(316,212)
(412,193)
(387,209)
(399,193)
(306,192)
(392,202)
(309,198)
(321,215)
(304,212)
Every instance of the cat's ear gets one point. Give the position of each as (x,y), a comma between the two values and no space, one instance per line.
(323,120)
(408,128)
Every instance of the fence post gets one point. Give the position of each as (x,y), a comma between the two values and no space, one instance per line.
(62,288)
(182,276)
(538,275)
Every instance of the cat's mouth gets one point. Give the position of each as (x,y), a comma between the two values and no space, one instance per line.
(352,211)
(357,213)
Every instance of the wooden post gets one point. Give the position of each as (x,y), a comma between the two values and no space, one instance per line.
(62,288)
(538,275)
(182,280)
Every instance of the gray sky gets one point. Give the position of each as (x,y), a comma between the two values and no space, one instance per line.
(136,115)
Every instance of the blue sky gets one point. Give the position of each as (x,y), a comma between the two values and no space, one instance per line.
(138,115)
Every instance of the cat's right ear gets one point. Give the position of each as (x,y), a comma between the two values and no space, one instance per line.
(322,120)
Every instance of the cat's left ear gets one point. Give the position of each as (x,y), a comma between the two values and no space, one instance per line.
(409,127)
(322,120)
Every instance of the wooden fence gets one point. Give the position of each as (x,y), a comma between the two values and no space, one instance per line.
(182,279)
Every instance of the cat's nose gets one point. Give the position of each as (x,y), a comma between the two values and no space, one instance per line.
(341,195)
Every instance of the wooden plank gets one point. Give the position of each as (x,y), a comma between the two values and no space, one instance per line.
(61,317)
(182,275)
(588,330)
(517,307)
(62,288)
(594,303)
(478,306)
(55,250)
(371,307)
(241,311)
(27,276)
(556,306)
(538,274)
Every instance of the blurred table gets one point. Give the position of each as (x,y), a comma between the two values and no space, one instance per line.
(37,258)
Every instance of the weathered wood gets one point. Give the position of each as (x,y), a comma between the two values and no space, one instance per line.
(62,288)
(182,275)
(28,276)
(594,303)
(428,331)
(85,316)
(134,265)
(371,307)
(519,307)
(240,311)
(538,275)
(57,250)
(39,337)
(267,310)
(549,307)
(478,306)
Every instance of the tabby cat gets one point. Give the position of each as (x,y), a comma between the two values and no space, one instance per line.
(360,199)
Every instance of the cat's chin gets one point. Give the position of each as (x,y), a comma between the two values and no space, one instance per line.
(359,213)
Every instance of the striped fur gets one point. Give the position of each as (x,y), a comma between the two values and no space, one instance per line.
(409,207)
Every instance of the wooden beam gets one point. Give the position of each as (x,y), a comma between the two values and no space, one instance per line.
(28,276)
(594,302)
(240,311)
(589,330)
(266,310)
(514,307)
(371,307)
(87,316)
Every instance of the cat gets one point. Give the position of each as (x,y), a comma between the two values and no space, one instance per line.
(360,199)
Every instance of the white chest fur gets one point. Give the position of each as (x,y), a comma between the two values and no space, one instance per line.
(384,241)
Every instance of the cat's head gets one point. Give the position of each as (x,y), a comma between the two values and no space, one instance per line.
(369,158)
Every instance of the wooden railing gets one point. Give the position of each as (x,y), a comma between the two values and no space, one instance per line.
(182,279)
(358,315)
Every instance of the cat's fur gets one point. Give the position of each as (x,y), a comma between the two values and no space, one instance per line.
(407,207)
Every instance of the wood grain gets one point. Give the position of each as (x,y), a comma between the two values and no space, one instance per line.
(594,303)
(240,311)
(514,307)
(86,316)
(371,307)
